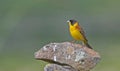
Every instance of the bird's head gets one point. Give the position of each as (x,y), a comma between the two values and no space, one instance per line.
(72,22)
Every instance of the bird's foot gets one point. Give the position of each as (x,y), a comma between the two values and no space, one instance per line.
(72,41)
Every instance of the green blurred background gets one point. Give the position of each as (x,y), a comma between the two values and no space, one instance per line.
(27,25)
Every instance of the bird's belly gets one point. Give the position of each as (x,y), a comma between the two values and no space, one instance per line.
(77,35)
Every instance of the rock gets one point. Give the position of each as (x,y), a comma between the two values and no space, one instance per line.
(56,67)
(76,56)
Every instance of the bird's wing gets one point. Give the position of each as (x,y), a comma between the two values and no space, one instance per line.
(82,32)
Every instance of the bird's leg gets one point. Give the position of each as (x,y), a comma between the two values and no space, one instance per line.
(83,43)
(72,41)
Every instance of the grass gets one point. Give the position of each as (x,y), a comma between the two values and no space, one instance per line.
(21,64)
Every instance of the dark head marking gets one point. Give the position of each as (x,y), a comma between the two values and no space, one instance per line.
(72,21)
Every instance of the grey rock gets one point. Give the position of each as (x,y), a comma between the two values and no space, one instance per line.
(76,56)
(56,67)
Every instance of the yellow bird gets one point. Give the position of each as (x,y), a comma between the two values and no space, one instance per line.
(77,32)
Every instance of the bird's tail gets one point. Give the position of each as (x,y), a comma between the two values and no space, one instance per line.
(86,43)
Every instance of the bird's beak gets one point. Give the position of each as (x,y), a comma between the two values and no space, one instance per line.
(68,21)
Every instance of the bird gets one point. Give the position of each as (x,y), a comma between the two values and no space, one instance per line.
(77,32)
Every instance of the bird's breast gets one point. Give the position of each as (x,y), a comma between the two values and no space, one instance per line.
(75,33)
